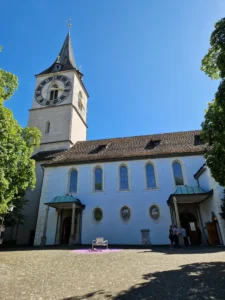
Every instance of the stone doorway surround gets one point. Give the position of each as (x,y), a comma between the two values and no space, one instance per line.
(64,205)
(187,199)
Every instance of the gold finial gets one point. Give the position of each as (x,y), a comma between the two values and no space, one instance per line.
(58,59)
(69,24)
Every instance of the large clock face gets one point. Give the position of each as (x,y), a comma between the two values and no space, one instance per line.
(53,90)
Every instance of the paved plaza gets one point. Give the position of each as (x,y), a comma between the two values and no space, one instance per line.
(158,273)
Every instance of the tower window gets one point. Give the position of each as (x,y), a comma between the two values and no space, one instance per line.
(47,127)
(54,92)
(80,102)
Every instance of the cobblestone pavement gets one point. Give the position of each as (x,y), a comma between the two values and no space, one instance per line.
(195,273)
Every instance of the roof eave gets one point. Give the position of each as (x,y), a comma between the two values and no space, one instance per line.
(99,160)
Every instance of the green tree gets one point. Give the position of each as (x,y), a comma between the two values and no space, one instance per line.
(17,170)
(213,127)
(17,217)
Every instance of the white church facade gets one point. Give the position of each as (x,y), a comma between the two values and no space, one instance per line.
(127,190)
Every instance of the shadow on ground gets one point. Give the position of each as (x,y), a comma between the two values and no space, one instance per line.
(200,281)
(185,250)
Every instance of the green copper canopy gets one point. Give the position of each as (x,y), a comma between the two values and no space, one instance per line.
(187,190)
(66,199)
(189,194)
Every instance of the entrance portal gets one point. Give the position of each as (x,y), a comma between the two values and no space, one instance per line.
(189,222)
(66,230)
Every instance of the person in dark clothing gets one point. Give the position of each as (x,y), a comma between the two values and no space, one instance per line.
(171,237)
(199,233)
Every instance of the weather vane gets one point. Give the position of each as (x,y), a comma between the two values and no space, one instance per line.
(69,24)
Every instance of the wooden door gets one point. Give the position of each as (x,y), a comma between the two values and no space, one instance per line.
(193,233)
(213,233)
(66,230)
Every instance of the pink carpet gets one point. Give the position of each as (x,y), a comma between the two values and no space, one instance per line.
(97,251)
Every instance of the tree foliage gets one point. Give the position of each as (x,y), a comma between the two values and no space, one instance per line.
(8,84)
(17,217)
(213,127)
(17,170)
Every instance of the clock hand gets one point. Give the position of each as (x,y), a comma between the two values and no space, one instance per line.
(61,89)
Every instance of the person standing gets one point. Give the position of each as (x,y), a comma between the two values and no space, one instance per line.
(171,237)
(176,237)
(184,235)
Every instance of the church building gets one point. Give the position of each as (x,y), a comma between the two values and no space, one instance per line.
(127,190)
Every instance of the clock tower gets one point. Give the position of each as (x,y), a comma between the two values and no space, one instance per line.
(59,108)
(59,111)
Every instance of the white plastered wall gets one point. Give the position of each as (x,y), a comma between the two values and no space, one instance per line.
(111,200)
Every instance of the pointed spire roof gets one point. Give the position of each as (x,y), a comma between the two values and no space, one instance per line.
(65,58)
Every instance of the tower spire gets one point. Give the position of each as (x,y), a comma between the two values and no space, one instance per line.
(65,59)
(69,25)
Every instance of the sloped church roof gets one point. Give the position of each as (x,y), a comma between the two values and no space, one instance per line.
(137,147)
(65,58)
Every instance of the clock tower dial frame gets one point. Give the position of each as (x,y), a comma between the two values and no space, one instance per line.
(64,87)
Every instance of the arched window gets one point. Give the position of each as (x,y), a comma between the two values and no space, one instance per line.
(98,179)
(150,176)
(80,102)
(47,127)
(73,181)
(54,92)
(177,173)
(124,184)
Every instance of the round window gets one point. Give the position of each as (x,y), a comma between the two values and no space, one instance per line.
(154,212)
(98,214)
(125,213)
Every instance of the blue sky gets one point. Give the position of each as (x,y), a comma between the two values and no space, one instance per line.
(140,59)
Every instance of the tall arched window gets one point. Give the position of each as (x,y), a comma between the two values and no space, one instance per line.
(47,127)
(54,92)
(150,176)
(123,173)
(73,181)
(98,179)
(177,172)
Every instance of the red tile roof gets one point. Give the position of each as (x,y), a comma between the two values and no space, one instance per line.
(136,147)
